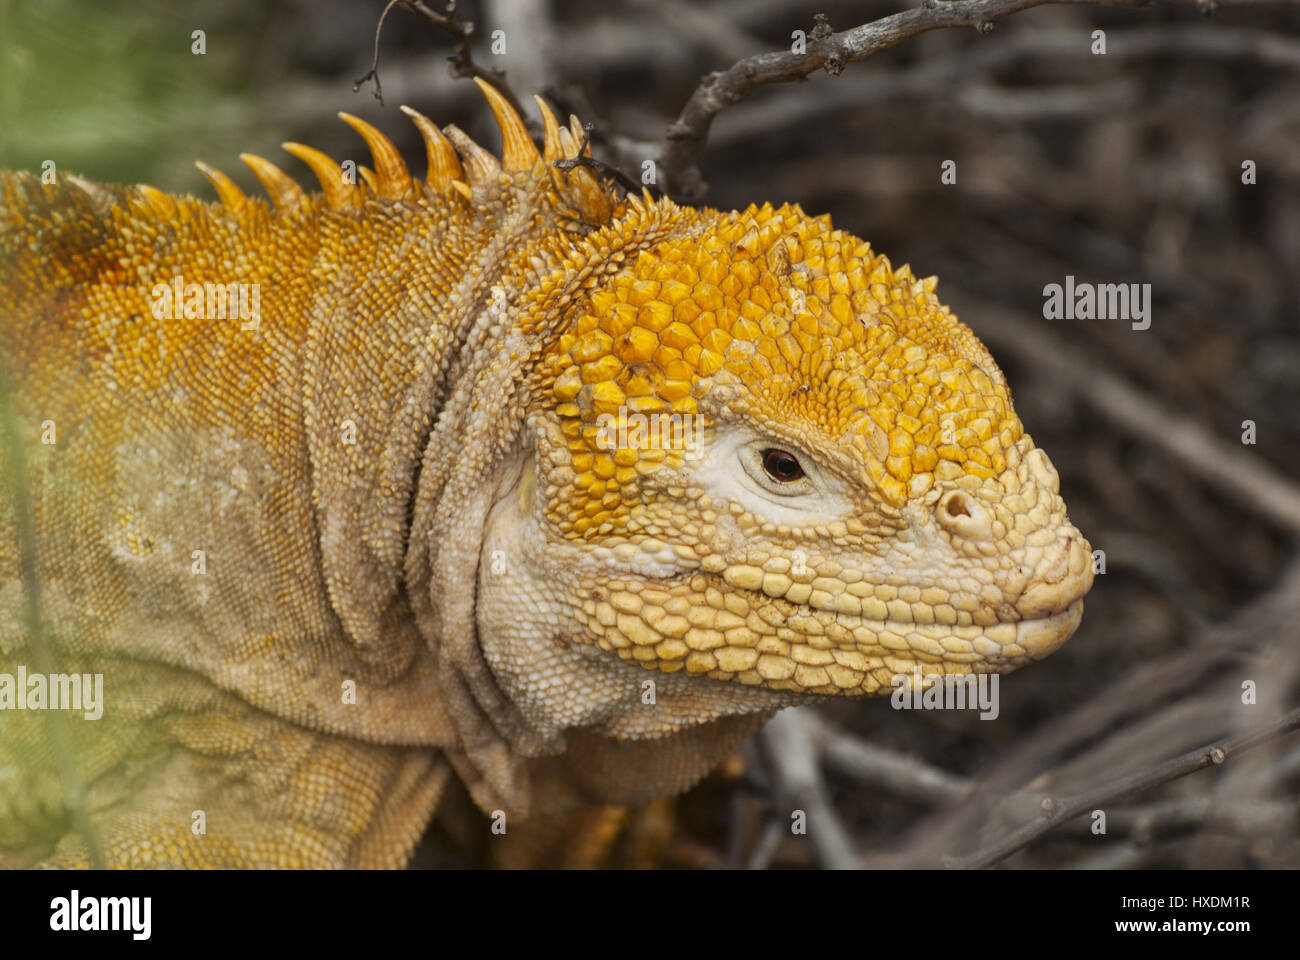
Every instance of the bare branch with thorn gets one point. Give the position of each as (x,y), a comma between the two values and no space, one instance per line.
(460,63)
(684,141)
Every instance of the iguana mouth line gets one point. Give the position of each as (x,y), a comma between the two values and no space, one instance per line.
(826,595)
(1011,641)
(848,617)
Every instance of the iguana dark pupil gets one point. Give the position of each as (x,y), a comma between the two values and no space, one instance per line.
(781,466)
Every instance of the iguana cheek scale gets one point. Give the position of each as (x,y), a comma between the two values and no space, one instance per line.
(379,536)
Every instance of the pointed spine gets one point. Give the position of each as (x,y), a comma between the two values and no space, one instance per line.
(394,180)
(518,152)
(284,192)
(579,135)
(339,195)
(481,167)
(444,166)
(568,147)
(551,148)
(231,197)
(163,206)
(100,199)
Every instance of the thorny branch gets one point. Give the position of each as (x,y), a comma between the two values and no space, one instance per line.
(1056,811)
(460,63)
(680,152)
(796,738)
(912,778)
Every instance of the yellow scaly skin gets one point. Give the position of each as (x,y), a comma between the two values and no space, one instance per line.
(421,555)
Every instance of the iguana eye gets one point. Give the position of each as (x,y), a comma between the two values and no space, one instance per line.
(782,465)
(779,472)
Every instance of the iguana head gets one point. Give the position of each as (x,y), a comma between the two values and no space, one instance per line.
(769,458)
(764,457)
(757,463)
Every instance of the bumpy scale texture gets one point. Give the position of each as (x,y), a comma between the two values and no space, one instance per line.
(485,489)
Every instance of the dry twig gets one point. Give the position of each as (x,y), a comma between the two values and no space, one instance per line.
(789,737)
(460,63)
(684,142)
(1058,810)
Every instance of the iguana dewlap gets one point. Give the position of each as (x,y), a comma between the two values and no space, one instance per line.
(496,450)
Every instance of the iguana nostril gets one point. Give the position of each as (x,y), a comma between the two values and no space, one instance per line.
(955,505)
(960,514)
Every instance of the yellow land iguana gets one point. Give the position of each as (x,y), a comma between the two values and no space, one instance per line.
(469,463)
